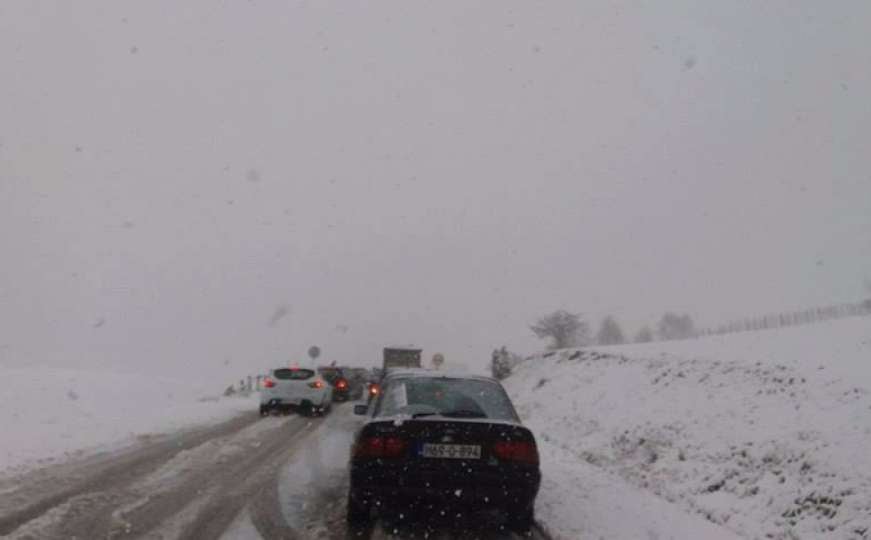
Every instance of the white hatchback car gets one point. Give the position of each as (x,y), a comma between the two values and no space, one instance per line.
(295,389)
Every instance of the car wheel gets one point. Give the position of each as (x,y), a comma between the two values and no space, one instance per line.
(306,408)
(359,513)
(521,521)
(264,411)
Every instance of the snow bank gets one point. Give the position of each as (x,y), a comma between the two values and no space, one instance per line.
(579,500)
(767,434)
(51,414)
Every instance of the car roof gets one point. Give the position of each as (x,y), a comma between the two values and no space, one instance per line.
(406,373)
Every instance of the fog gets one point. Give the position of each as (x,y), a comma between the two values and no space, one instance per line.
(212,188)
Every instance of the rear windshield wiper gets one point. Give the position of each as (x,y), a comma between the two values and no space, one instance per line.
(458,413)
(463,413)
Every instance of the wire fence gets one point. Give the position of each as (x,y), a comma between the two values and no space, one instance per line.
(251,383)
(794,318)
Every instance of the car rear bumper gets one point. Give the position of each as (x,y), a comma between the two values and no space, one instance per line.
(467,495)
(288,403)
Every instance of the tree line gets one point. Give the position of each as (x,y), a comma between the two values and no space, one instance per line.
(563,329)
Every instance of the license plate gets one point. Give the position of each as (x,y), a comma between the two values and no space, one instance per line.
(451,451)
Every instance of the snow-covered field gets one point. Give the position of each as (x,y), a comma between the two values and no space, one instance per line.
(766,434)
(579,500)
(51,414)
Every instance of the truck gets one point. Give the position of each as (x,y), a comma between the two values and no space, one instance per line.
(401,357)
(394,357)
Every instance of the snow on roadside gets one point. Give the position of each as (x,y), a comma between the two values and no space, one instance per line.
(313,483)
(767,434)
(578,500)
(51,414)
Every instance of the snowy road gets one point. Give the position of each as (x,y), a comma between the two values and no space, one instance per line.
(246,478)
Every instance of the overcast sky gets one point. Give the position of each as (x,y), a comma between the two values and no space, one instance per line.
(202,185)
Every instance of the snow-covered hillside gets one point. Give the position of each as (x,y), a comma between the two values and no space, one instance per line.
(767,434)
(51,414)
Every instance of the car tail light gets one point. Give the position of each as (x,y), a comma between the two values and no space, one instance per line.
(369,447)
(394,446)
(373,390)
(519,451)
(380,447)
(268,383)
(316,384)
(342,384)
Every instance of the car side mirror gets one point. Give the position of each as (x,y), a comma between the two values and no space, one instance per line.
(361,409)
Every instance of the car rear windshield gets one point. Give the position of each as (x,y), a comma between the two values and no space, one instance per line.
(331,375)
(293,374)
(359,374)
(445,396)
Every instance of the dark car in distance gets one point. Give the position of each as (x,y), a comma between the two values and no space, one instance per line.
(357,381)
(437,446)
(337,379)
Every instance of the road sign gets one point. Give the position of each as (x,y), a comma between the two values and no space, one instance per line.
(437,360)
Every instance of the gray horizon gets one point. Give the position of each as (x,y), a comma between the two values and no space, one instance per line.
(211,189)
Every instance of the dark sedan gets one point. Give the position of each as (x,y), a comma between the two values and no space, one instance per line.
(336,377)
(438,446)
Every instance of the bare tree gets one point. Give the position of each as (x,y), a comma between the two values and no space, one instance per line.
(564,329)
(502,362)
(610,332)
(645,335)
(866,304)
(674,326)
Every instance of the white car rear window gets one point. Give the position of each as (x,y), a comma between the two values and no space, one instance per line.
(293,374)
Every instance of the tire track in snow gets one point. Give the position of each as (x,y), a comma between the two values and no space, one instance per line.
(249,483)
(194,494)
(37,492)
